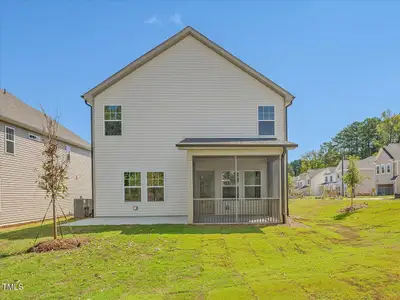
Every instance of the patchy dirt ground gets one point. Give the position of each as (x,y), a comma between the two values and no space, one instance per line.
(59,244)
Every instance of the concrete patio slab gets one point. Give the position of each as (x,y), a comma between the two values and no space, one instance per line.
(129,221)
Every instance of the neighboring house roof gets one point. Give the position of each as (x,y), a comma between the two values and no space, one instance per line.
(89,96)
(314,172)
(247,142)
(18,113)
(365,163)
(393,150)
(330,170)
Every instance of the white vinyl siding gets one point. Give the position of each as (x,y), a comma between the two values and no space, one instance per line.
(21,199)
(187,91)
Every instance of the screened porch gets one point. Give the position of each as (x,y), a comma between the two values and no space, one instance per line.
(237,189)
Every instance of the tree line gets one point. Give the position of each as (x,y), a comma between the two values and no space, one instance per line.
(359,139)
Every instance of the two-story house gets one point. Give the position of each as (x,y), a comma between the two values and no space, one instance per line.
(188,130)
(21,146)
(309,183)
(366,168)
(329,179)
(387,172)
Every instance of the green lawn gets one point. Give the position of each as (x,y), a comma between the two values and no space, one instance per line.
(355,256)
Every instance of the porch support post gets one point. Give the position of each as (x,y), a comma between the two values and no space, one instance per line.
(236,188)
(189,159)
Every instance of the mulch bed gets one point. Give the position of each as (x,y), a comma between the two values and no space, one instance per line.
(353,208)
(59,244)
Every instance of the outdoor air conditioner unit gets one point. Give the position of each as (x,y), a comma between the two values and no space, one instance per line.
(83,208)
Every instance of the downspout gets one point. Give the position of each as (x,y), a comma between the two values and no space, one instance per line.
(287,163)
(92,153)
(283,196)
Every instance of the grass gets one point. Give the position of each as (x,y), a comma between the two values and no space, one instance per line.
(354,257)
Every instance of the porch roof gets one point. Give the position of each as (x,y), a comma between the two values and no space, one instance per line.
(235,142)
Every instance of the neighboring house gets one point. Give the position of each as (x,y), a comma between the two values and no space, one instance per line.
(329,180)
(21,149)
(387,171)
(190,130)
(366,168)
(309,183)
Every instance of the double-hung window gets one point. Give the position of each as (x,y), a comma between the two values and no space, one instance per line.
(252,184)
(388,168)
(155,186)
(330,178)
(266,120)
(10,140)
(382,169)
(112,120)
(326,178)
(377,170)
(230,184)
(132,186)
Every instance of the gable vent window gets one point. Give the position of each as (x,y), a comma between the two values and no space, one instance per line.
(112,120)
(34,137)
(266,120)
(10,140)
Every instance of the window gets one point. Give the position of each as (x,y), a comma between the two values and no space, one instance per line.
(10,140)
(252,184)
(266,120)
(330,178)
(132,186)
(112,120)
(229,184)
(155,186)
(377,170)
(326,178)
(388,168)
(308,181)
(382,169)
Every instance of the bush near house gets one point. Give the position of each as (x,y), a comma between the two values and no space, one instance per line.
(354,255)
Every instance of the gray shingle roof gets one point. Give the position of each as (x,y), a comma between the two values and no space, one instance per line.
(234,141)
(394,150)
(18,113)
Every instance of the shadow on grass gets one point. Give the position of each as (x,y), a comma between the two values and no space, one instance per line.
(46,230)
(343,215)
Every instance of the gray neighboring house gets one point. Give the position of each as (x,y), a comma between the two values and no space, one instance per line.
(21,156)
(309,183)
(188,130)
(387,172)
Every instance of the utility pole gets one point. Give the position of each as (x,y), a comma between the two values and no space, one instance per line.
(342,174)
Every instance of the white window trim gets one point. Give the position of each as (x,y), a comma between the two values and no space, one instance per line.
(390,166)
(384,169)
(7,140)
(251,185)
(133,186)
(147,187)
(236,184)
(104,120)
(258,133)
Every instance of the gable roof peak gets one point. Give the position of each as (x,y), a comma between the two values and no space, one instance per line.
(188,30)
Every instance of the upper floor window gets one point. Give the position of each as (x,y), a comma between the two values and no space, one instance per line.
(388,168)
(112,120)
(330,178)
(382,169)
(10,140)
(326,178)
(266,120)
(377,170)
(308,181)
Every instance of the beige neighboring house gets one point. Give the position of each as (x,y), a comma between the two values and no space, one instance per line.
(366,167)
(309,183)
(387,170)
(21,156)
(189,132)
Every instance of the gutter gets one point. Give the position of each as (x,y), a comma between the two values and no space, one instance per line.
(92,153)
